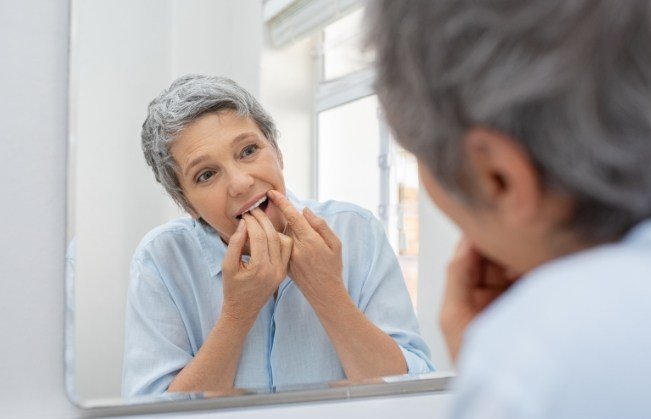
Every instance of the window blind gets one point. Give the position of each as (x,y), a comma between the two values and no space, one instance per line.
(290,20)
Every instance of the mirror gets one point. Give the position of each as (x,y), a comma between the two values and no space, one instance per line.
(305,67)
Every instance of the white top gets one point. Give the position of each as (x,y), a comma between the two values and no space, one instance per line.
(571,340)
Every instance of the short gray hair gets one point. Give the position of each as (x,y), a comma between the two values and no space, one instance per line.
(569,79)
(187,99)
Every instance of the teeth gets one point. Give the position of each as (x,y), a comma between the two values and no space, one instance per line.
(256,205)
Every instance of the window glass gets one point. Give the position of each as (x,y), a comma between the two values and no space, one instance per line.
(348,148)
(404,191)
(342,42)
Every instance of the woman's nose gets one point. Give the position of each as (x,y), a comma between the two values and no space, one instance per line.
(240,182)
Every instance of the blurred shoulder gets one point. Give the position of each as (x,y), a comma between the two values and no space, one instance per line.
(333,210)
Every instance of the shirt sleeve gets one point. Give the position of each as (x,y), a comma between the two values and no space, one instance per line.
(157,346)
(385,301)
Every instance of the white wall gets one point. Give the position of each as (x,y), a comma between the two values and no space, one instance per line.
(121,60)
(437,240)
(33,74)
(287,92)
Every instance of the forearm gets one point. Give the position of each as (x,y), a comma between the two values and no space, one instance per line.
(215,364)
(364,350)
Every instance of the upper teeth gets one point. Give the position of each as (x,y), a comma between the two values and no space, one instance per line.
(256,205)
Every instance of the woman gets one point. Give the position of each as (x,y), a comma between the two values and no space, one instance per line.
(531,121)
(257,289)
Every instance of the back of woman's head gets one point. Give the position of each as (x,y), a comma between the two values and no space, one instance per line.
(570,80)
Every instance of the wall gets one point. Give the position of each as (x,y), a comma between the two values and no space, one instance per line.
(286,91)
(121,60)
(437,239)
(33,81)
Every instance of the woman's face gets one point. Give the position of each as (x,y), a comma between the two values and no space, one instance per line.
(226,166)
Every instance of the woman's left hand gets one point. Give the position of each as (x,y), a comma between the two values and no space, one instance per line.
(316,267)
(315,263)
(473,283)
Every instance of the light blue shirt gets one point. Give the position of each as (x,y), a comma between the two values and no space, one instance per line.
(175,298)
(571,340)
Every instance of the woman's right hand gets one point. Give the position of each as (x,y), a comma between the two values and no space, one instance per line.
(473,283)
(249,285)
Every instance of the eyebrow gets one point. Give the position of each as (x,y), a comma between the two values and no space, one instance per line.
(200,159)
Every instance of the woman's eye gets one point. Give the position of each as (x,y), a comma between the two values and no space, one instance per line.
(248,150)
(203,177)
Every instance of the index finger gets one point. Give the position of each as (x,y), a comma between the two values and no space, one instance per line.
(257,239)
(235,247)
(295,219)
(464,271)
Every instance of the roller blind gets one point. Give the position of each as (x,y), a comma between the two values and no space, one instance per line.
(290,20)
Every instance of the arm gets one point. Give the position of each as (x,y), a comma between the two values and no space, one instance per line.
(247,287)
(158,354)
(365,351)
(157,345)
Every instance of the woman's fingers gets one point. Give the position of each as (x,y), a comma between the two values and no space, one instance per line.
(321,227)
(257,240)
(273,241)
(495,276)
(298,224)
(235,246)
(286,246)
(464,272)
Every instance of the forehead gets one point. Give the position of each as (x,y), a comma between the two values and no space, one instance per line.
(218,126)
(214,129)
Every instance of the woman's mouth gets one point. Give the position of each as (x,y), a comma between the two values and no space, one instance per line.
(262,204)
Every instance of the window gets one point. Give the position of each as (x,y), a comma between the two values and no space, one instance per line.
(352,138)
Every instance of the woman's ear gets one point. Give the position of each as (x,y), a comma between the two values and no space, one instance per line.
(505,180)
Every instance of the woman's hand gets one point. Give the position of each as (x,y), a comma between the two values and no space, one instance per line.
(315,264)
(473,283)
(316,267)
(248,286)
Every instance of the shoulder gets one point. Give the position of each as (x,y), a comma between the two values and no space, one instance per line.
(582,285)
(342,214)
(175,234)
(562,323)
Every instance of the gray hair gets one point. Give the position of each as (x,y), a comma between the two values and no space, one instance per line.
(187,99)
(569,79)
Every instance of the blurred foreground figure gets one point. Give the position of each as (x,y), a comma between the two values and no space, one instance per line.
(531,122)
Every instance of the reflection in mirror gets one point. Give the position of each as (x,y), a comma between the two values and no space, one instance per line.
(165,293)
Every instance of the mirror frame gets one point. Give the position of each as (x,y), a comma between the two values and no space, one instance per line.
(438,383)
